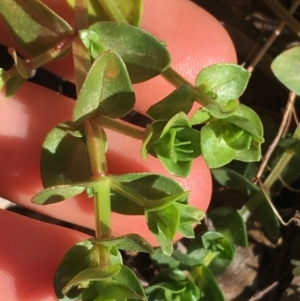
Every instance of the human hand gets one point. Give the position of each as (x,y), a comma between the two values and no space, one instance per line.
(30,250)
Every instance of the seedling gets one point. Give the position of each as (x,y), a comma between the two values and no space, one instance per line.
(111,53)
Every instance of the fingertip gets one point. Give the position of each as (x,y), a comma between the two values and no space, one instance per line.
(194,38)
(30,253)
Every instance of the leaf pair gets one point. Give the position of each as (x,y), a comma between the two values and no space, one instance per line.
(207,256)
(144,56)
(237,137)
(173,284)
(47,29)
(219,85)
(162,200)
(175,143)
(84,274)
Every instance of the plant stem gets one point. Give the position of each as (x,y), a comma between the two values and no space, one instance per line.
(258,197)
(177,80)
(82,62)
(81,55)
(58,50)
(281,165)
(113,11)
(283,127)
(170,74)
(271,39)
(196,271)
(119,127)
(284,15)
(102,208)
(96,148)
(126,191)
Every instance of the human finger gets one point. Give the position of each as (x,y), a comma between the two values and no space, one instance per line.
(21,142)
(30,253)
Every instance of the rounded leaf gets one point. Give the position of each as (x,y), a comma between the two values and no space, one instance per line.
(145,56)
(78,258)
(223,82)
(208,285)
(286,68)
(246,119)
(56,194)
(107,90)
(180,100)
(45,27)
(143,186)
(83,278)
(214,148)
(64,158)
(230,223)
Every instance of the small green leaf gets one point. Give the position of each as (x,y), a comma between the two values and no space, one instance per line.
(78,258)
(65,158)
(173,284)
(174,142)
(208,285)
(83,278)
(223,111)
(33,25)
(180,100)
(108,290)
(200,116)
(160,258)
(130,191)
(130,242)
(164,225)
(179,169)
(246,119)
(187,260)
(189,216)
(106,91)
(221,251)
(144,55)
(20,65)
(230,223)
(286,68)
(238,137)
(252,154)
(56,194)
(223,82)
(154,205)
(214,149)
(266,215)
(129,279)
(231,179)
(210,240)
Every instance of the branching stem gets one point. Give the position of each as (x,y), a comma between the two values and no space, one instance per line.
(119,127)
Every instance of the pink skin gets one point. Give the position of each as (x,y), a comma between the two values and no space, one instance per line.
(32,249)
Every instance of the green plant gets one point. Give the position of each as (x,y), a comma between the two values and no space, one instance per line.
(191,275)
(108,58)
